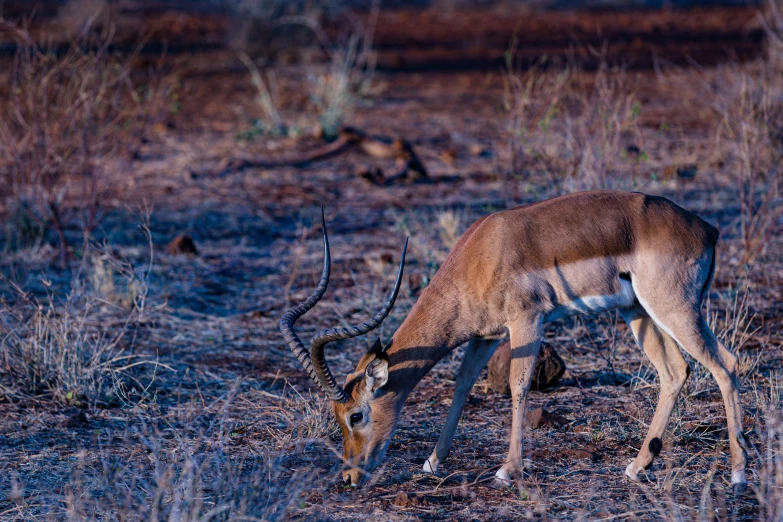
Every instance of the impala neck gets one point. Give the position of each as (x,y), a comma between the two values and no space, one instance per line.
(432,329)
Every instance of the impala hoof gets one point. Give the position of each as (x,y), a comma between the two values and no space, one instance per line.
(739,482)
(631,472)
(431,465)
(500,483)
(504,478)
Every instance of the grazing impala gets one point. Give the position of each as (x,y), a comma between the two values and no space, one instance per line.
(514,270)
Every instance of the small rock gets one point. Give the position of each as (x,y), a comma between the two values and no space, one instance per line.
(77,420)
(182,244)
(449,157)
(373,175)
(402,500)
(476,150)
(687,171)
(417,282)
(222,126)
(159,128)
(548,371)
(581,427)
(387,258)
(539,418)
(580,454)
(669,172)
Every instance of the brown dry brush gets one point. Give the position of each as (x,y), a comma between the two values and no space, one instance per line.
(184,474)
(581,130)
(77,350)
(71,118)
(749,104)
(753,124)
(571,124)
(769,490)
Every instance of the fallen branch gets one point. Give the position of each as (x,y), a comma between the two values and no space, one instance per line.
(411,168)
(238,164)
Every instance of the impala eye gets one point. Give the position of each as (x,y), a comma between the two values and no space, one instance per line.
(356,418)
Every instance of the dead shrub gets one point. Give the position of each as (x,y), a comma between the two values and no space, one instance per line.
(77,350)
(595,129)
(571,124)
(532,101)
(752,130)
(748,101)
(186,475)
(71,118)
(334,87)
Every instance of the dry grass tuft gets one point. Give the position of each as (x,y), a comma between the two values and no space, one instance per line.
(333,89)
(572,125)
(450,228)
(77,350)
(184,475)
(298,419)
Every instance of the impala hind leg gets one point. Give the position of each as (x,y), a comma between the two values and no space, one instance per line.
(683,321)
(477,354)
(694,335)
(525,344)
(672,370)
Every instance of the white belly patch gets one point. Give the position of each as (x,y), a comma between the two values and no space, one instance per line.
(592,304)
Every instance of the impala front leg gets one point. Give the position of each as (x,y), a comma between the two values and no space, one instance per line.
(525,344)
(477,354)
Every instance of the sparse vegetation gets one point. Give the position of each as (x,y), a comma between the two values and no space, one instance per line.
(769,490)
(190,475)
(573,125)
(77,350)
(70,117)
(752,123)
(333,88)
(132,390)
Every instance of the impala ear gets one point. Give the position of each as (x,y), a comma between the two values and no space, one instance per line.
(373,353)
(377,373)
(377,346)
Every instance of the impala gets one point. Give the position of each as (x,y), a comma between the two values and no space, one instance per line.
(513,271)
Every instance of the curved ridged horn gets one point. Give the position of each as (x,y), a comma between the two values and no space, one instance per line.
(290,317)
(320,340)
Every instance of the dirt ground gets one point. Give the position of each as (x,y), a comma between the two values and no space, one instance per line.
(226,382)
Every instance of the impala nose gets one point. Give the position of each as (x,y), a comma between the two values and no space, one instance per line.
(347,479)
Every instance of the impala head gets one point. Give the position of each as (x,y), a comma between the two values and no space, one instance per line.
(366,414)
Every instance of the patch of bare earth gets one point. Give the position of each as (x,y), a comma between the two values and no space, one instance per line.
(226,423)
